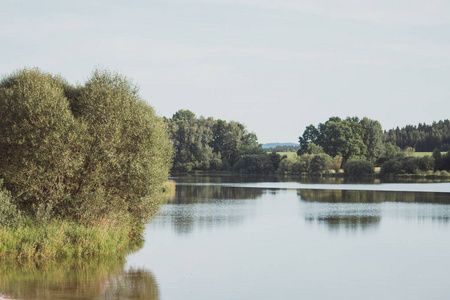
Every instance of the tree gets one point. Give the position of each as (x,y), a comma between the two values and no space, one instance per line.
(275,158)
(82,152)
(310,135)
(437,159)
(41,142)
(373,139)
(342,137)
(208,144)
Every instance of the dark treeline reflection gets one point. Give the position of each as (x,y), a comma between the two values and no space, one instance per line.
(345,222)
(77,280)
(248,178)
(355,196)
(361,210)
(189,194)
(208,206)
(337,211)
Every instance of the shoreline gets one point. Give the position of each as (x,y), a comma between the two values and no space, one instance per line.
(4,297)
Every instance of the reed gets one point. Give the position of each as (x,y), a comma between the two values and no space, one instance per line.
(60,239)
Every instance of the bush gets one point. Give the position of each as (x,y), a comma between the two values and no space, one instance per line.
(296,165)
(355,168)
(286,165)
(321,163)
(9,215)
(82,152)
(407,165)
(337,163)
(257,163)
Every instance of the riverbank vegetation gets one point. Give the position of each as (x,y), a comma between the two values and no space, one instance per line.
(206,144)
(82,166)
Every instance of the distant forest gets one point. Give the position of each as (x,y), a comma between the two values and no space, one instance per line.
(423,137)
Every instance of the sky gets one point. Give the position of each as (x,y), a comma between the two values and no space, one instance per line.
(275,66)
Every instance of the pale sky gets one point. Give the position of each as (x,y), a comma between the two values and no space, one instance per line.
(275,66)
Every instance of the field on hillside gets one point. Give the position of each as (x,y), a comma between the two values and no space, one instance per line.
(422,154)
(416,154)
(288,154)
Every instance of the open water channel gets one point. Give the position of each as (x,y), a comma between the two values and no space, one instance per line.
(245,237)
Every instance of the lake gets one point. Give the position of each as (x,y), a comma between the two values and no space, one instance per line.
(253,237)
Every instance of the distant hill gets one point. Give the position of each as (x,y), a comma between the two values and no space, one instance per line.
(273,145)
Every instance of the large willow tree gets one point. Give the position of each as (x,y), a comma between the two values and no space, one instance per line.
(85,152)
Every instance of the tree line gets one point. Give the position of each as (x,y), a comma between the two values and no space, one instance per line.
(207,144)
(423,137)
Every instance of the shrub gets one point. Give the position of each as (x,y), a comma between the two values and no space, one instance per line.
(286,165)
(354,168)
(407,165)
(84,152)
(9,215)
(256,163)
(303,164)
(336,164)
(446,161)
(321,163)
(445,173)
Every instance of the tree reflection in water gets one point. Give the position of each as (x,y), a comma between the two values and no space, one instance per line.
(354,210)
(207,206)
(361,196)
(94,279)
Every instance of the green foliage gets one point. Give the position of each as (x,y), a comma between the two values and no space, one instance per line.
(349,138)
(296,165)
(128,149)
(390,151)
(66,239)
(423,137)
(256,163)
(41,142)
(208,144)
(446,161)
(314,149)
(407,165)
(9,214)
(373,139)
(320,164)
(275,158)
(356,168)
(409,151)
(337,163)
(286,165)
(84,153)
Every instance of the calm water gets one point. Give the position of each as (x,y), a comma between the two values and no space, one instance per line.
(262,238)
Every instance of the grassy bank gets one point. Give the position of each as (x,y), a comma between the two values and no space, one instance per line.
(25,239)
(67,239)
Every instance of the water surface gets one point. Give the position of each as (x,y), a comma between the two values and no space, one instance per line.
(251,237)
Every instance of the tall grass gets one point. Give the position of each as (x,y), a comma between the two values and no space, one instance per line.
(66,239)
